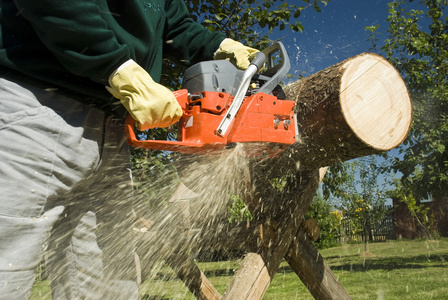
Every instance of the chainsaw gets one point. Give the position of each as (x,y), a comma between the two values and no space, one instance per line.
(223,106)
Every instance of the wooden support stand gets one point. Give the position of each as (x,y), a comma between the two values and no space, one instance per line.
(355,108)
(193,278)
(258,268)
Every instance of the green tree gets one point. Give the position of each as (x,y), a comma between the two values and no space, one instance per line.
(329,220)
(417,45)
(359,192)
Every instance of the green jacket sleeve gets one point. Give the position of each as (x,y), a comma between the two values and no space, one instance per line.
(77,35)
(186,40)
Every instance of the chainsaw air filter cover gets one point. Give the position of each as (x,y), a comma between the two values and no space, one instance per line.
(215,76)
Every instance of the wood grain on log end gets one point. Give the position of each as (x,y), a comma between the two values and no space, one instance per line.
(375,102)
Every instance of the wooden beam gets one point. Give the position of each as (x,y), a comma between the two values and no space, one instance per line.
(192,276)
(312,269)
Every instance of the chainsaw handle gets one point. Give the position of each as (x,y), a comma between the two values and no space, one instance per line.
(182,98)
(163,145)
(275,71)
(259,60)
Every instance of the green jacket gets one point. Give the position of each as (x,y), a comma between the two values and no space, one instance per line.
(74,45)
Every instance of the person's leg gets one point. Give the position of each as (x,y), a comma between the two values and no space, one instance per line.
(115,204)
(116,214)
(42,157)
(74,260)
(101,209)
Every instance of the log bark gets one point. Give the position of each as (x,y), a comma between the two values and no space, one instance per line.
(355,108)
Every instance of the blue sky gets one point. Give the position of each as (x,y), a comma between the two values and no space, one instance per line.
(333,35)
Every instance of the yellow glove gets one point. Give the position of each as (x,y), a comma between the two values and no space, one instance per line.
(149,103)
(238,54)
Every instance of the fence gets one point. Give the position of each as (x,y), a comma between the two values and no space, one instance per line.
(381,230)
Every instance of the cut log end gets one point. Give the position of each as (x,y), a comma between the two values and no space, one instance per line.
(375,102)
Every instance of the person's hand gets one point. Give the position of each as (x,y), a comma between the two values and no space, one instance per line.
(149,103)
(238,54)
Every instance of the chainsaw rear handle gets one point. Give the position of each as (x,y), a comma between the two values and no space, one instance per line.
(129,128)
(163,145)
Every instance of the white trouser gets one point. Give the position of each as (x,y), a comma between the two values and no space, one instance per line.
(66,194)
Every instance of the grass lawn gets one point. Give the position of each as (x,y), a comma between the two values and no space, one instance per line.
(394,270)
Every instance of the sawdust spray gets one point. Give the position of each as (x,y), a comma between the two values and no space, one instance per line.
(193,216)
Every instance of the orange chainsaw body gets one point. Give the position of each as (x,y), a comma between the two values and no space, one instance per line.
(263,123)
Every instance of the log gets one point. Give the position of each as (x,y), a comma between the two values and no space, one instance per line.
(355,108)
